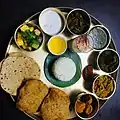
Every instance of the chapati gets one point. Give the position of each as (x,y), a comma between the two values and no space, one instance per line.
(15,69)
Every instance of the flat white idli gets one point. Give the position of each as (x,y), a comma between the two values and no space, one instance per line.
(64,69)
(15,69)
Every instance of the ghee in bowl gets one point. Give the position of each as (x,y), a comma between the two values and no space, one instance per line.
(57,45)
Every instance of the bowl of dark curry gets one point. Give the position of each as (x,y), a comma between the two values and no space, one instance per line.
(108,61)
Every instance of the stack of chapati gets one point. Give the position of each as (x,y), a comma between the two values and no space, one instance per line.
(16,68)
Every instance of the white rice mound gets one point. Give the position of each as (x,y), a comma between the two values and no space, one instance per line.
(64,69)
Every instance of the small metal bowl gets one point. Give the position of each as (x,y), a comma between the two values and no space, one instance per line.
(105,43)
(82,46)
(32,25)
(94,104)
(107,68)
(63,20)
(87,21)
(61,36)
(110,94)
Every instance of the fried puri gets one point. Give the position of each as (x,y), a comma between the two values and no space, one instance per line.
(56,105)
(31,96)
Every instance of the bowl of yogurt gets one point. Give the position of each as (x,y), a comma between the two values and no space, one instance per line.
(52,21)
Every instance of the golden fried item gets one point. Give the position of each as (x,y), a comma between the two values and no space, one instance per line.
(31,96)
(89,109)
(55,106)
(80,106)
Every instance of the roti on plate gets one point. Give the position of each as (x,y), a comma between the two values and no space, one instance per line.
(15,69)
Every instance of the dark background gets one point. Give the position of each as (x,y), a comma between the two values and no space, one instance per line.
(14,12)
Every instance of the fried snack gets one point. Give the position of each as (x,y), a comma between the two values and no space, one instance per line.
(80,106)
(89,99)
(55,106)
(85,105)
(31,96)
(89,109)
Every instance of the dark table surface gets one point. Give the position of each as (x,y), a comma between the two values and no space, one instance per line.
(14,12)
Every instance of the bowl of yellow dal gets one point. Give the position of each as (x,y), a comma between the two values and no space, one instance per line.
(57,45)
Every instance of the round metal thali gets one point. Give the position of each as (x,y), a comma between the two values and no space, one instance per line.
(40,55)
